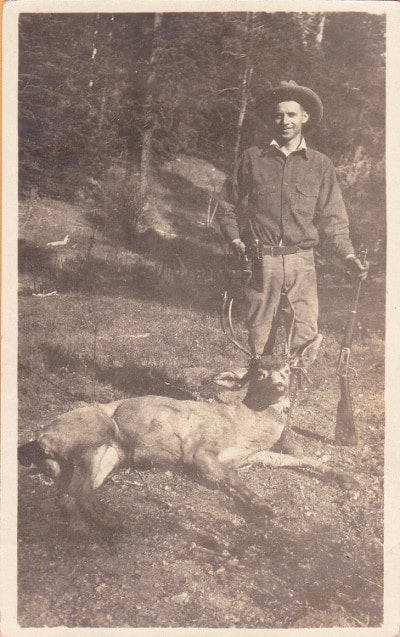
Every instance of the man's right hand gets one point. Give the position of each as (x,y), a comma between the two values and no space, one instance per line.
(239,249)
(360,269)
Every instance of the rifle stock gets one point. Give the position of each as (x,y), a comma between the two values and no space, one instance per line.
(345,431)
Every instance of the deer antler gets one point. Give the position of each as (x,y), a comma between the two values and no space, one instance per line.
(229,332)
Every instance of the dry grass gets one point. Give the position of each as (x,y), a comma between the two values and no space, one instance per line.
(193,557)
(319,564)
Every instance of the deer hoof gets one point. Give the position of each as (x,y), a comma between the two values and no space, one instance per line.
(78,530)
(113,524)
(346,480)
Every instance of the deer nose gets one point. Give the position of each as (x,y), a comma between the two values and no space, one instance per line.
(278,381)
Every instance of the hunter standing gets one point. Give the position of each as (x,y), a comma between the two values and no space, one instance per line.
(293,204)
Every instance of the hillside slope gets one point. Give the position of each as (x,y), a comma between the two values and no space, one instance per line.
(143,319)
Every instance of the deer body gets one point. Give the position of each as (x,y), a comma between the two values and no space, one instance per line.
(177,430)
(82,447)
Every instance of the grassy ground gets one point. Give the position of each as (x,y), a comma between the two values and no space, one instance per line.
(194,557)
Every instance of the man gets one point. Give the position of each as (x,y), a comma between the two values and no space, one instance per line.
(293,204)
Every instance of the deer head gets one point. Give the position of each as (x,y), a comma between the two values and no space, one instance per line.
(268,378)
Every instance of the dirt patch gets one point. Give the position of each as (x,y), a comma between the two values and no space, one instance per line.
(193,556)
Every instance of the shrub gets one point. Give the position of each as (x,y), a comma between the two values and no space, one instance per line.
(120,206)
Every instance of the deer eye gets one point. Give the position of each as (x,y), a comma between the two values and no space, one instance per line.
(261,374)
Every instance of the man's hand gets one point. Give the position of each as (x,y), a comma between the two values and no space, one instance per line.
(355,264)
(244,262)
(239,249)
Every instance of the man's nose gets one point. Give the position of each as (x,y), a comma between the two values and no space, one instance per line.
(285,120)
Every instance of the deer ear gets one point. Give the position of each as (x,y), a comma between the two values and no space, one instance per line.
(307,353)
(234,379)
(30,453)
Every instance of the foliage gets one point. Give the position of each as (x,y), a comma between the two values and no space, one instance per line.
(121,206)
(139,312)
(84,94)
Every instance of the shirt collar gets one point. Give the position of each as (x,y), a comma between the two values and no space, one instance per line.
(302,147)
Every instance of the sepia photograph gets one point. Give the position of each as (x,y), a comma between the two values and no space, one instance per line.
(195,319)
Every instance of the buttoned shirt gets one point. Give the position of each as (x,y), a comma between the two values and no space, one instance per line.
(302,145)
(285,200)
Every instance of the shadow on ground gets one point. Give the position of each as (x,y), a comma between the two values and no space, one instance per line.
(132,379)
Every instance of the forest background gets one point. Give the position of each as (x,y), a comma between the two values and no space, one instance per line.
(128,124)
(136,90)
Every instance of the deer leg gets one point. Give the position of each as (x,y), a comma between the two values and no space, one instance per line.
(89,471)
(273,459)
(69,501)
(71,510)
(287,443)
(98,466)
(210,467)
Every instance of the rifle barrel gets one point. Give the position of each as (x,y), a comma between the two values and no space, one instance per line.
(352,312)
(345,432)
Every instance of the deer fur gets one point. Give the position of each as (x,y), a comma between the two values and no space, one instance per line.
(81,448)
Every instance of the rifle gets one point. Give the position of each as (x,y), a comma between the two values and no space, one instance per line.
(345,432)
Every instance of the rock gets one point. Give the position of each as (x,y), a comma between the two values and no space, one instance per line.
(181,598)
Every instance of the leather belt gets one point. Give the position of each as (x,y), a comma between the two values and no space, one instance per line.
(276,251)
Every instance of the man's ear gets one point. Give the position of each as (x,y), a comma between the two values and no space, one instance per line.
(306,117)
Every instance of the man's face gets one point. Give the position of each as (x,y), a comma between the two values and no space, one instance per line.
(288,119)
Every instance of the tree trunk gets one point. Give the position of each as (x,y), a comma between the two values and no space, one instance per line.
(106,88)
(245,80)
(148,124)
(312,27)
(320,30)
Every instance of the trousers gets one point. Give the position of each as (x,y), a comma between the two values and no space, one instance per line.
(293,275)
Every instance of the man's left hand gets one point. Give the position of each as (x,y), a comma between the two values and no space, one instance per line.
(355,264)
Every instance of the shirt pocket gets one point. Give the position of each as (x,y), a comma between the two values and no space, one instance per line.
(305,200)
(264,195)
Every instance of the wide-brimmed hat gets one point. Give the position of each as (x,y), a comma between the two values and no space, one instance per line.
(290,90)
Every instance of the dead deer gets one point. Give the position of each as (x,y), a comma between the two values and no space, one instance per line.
(81,448)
